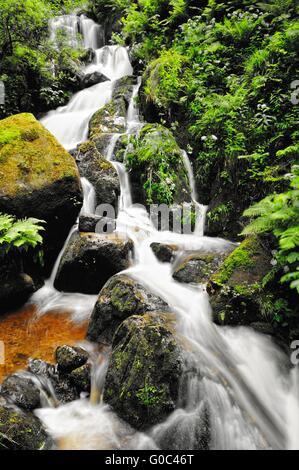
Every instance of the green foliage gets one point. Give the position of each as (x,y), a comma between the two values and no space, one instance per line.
(19,235)
(28,59)
(156,157)
(149,395)
(279,214)
(164,83)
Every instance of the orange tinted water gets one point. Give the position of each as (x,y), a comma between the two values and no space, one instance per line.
(27,336)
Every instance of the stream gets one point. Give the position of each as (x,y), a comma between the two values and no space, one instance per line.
(239,375)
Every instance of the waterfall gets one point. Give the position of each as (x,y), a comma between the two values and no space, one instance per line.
(239,376)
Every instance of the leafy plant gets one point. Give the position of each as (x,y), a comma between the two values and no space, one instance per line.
(19,235)
(279,214)
(149,395)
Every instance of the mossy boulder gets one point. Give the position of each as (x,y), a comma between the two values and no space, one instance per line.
(100,173)
(38,178)
(20,430)
(197,268)
(119,299)
(90,259)
(236,289)
(157,170)
(145,368)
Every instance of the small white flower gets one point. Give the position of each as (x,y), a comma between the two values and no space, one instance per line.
(204,138)
(214,137)
(273,262)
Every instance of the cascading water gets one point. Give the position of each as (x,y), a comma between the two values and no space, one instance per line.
(239,380)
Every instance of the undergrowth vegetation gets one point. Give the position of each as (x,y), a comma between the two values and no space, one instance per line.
(36,75)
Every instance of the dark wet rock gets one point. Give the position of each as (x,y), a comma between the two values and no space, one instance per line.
(87,56)
(81,378)
(90,259)
(90,223)
(20,430)
(165,253)
(48,188)
(197,268)
(22,391)
(236,289)
(15,285)
(64,389)
(144,372)
(263,327)
(120,298)
(93,78)
(100,173)
(70,357)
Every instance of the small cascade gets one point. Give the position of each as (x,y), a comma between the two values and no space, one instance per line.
(111,61)
(133,118)
(125,195)
(93,34)
(201,210)
(48,299)
(68,26)
(89,199)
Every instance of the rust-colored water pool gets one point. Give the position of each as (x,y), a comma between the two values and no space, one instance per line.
(26,335)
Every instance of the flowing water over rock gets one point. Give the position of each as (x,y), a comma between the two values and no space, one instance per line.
(235,393)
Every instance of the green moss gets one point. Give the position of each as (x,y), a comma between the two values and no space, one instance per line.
(30,156)
(150,395)
(123,299)
(104,120)
(86,146)
(105,165)
(240,258)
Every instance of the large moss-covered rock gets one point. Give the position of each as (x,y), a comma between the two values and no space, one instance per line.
(120,298)
(157,170)
(38,178)
(145,368)
(236,290)
(100,173)
(21,430)
(197,268)
(90,259)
